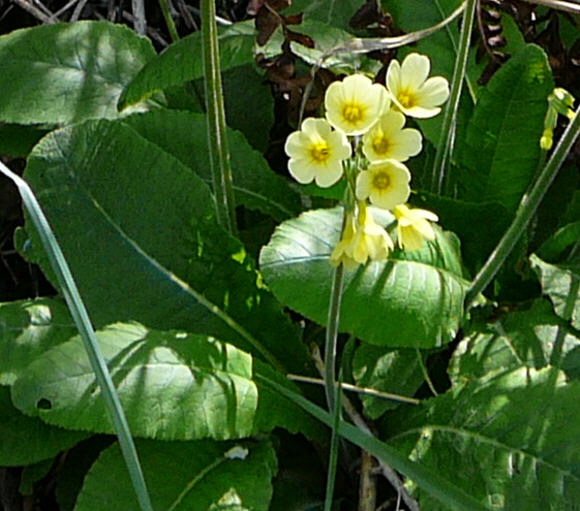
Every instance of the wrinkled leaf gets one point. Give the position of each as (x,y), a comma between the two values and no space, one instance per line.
(501,150)
(509,440)
(392,371)
(561,284)
(188,475)
(184,135)
(138,230)
(412,300)
(27,329)
(173,386)
(74,71)
(181,62)
(523,338)
(336,13)
(25,440)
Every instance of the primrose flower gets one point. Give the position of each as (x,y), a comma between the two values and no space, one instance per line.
(385,183)
(413,226)
(362,240)
(388,140)
(355,104)
(342,253)
(411,91)
(370,241)
(316,153)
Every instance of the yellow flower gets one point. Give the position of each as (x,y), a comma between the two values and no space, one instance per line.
(413,226)
(355,104)
(361,240)
(316,153)
(388,140)
(385,183)
(342,253)
(412,92)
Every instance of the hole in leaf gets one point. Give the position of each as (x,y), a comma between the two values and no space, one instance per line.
(43,404)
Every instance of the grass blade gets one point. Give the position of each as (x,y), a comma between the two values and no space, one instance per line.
(439,487)
(444,146)
(85,328)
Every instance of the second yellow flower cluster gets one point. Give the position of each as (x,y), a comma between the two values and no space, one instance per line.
(374,116)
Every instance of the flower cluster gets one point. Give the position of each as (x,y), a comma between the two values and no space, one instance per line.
(372,161)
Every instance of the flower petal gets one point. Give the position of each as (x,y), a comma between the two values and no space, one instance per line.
(414,71)
(434,92)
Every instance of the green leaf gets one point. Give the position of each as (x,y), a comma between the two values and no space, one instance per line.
(560,241)
(501,150)
(490,219)
(74,71)
(186,475)
(412,300)
(184,135)
(393,371)
(181,62)
(27,329)
(510,440)
(561,284)
(138,230)
(25,440)
(520,339)
(164,381)
(336,13)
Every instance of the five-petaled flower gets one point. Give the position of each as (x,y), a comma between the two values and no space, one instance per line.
(411,91)
(316,153)
(388,140)
(385,184)
(361,240)
(354,104)
(413,226)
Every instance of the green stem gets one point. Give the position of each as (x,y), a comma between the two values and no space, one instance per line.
(334,444)
(525,212)
(169,20)
(216,125)
(85,328)
(331,336)
(444,146)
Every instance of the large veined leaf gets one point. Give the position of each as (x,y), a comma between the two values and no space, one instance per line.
(501,150)
(184,476)
(138,230)
(184,135)
(415,299)
(561,284)
(25,440)
(163,379)
(510,440)
(173,385)
(181,62)
(67,72)
(520,339)
(27,329)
